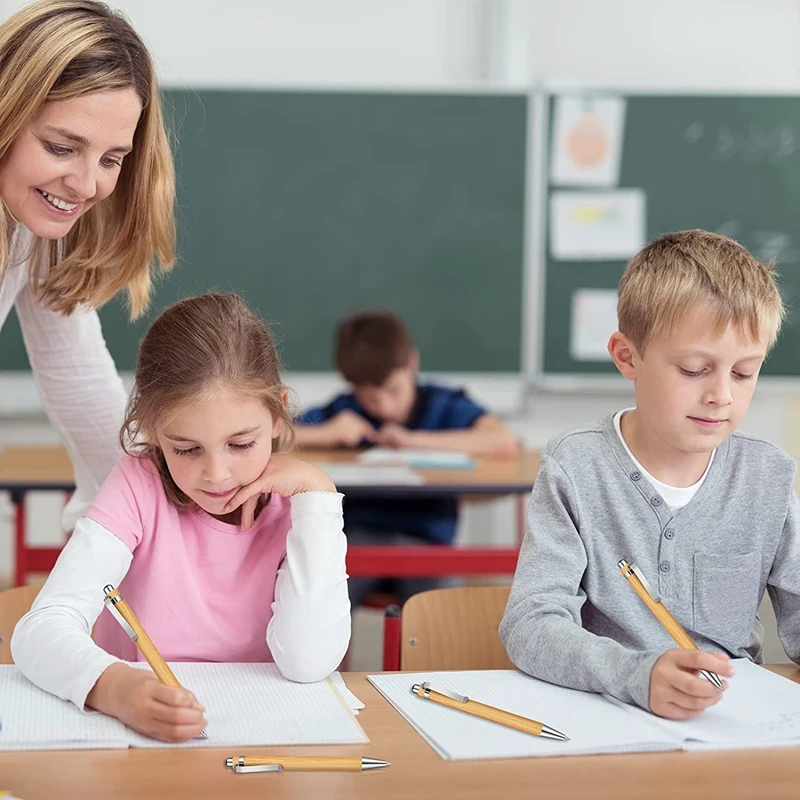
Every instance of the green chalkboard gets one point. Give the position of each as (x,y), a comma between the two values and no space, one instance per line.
(730,164)
(314,204)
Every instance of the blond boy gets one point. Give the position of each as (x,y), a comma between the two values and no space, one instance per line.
(709,515)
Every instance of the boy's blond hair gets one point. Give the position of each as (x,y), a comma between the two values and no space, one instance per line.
(679,271)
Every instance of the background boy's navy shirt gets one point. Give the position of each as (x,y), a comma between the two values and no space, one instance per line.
(436,408)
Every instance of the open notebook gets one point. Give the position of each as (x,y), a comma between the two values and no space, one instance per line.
(246,704)
(759,709)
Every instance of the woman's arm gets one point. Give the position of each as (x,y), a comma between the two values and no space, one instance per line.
(82,393)
(52,643)
(309,631)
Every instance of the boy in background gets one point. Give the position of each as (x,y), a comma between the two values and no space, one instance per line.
(708,514)
(388,406)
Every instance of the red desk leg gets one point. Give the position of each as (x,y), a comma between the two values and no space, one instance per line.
(21,555)
(392,628)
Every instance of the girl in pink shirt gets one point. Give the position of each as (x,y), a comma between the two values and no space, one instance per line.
(225,548)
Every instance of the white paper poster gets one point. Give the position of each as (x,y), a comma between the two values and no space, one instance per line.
(594,319)
(587,140)
(597,226)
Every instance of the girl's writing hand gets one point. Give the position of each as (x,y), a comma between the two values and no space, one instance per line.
(142,702)
(283,475)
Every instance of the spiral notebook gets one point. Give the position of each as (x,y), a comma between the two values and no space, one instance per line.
(246,704)
(759,709)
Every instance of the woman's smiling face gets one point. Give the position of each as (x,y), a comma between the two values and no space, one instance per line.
(68,159)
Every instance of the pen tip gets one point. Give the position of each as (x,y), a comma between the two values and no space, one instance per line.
(552,733)
(374,763)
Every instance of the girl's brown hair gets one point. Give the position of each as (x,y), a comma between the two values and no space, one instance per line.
(57,50)
(195,348)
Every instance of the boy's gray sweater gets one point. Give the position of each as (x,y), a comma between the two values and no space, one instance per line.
(572,618)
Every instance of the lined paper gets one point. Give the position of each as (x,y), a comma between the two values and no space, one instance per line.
(36,720)
(593,724)
(246,704)
(253,704)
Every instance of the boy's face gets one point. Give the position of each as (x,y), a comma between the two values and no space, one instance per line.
(394,399)
(693,386)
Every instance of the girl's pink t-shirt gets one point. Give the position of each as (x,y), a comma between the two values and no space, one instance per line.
(201,588)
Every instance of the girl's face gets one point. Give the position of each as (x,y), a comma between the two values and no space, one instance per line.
(68,159)
(213,448)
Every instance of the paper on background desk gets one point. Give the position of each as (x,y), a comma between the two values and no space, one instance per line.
(593,724)
(371,475)
(428,459)
(246,704)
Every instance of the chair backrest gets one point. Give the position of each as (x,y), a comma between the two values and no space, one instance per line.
(454,629)
(14,604)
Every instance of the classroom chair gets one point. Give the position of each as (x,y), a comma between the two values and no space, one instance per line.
(14,604)
(446,629)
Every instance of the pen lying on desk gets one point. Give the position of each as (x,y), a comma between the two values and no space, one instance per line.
(121,611)
(637,580)
(308,763)
(461,703)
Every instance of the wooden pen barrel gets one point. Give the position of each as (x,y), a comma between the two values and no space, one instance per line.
(663,615)
(330,763)
(147,648)
(493,714)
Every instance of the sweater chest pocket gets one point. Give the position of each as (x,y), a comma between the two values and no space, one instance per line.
(725,596)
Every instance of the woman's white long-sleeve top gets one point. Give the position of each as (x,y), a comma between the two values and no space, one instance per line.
(81,391)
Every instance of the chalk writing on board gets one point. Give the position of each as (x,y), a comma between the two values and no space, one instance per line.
(764,245)
(773,144)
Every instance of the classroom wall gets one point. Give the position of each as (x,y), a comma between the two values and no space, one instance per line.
(684,44)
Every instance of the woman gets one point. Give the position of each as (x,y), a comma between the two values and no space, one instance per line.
(87,192)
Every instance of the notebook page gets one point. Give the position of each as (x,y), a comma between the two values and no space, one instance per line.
(36,720)
(363,475)
(253,704)
(758,708)
(593,724)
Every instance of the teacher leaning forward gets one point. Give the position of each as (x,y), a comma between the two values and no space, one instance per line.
(87,192)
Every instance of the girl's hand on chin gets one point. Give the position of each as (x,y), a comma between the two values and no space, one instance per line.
(283,475)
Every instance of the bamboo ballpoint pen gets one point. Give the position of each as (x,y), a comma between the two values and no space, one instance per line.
(637,580)
(307,763)
(461,703)
(121,611)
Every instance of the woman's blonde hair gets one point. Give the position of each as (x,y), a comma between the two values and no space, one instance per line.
(197,348)
(57,50)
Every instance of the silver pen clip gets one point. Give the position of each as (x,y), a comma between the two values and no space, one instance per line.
(109,604)
(427,689)
(240,768)
(634,570)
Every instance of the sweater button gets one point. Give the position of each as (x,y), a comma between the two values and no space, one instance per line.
(655,500)
(665,566)
(669,533)
(635,475)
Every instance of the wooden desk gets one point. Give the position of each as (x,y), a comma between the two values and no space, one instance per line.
(27,469)
(49,469)
(416,771)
